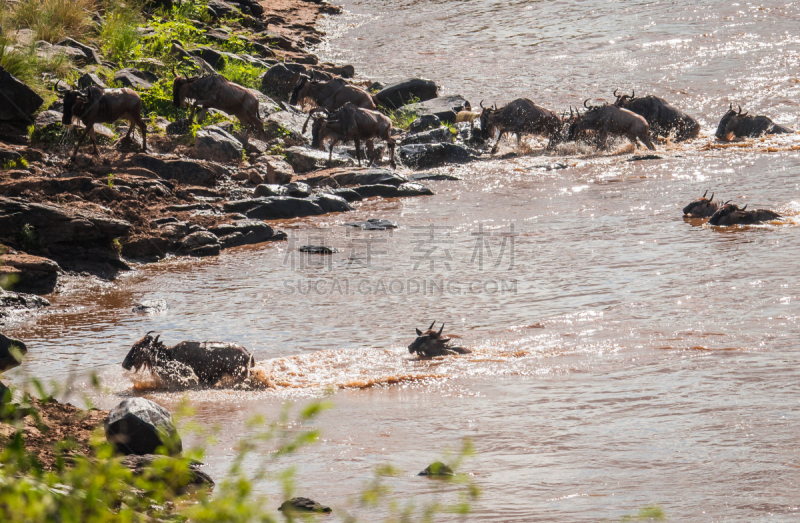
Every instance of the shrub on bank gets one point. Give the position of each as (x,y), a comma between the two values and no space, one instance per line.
(53,20)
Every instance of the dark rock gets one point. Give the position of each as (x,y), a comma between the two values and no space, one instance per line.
(280,79)
(171,471)
(317,249)
(19,100)
(8,360)
(164,220)
(221,9)
(433,176)
(445,108)
(270,190)
(368,176)
(183,207)
(140,426)
(135,79)
(91,54)
(440,135)
(200,243)
(243,232)
(90,79)
(293,121)
(216,59)
(437,469)
(146,248)
(425,122)
(305,160)
(376,86)
(639,158)
(390,191)
(33,274)
(298,189)
(275,208)
(345,71)
(302,505)
(188,172)
(332,203)
(8,156)
(348,194)
(178,127)
(57,224)
(401,93)
(425,156)
(374,224)
(261,50)
(212,143)
(151,307)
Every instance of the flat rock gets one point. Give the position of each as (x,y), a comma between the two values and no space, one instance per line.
(270,190)
(8,359)
(242,232)
(199,243)
(348,194)
(445,107)
(135,79)
(212,143)
(92,57)
(390,191)
(439,177)
(274,208)
(439,135)
(140,426)
(368,176)
(332,203)
(317,249)
(304,160)
(19,100)
(401,93)
(426,156)
(188,172)
(374,224)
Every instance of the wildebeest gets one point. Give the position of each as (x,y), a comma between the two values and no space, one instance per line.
(331,94)
(351,123)
(702,207)
(521,116)
(664,119)
(430,344)
(737,125)
(210,361)
(611,120)
(216,92)
(731,214)
(96,105)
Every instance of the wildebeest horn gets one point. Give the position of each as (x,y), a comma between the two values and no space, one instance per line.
(440,330)
(704,194)
(149,333)
(157,337)
(726,203)
(743,208)
(174,73)
(633,94)
(740,109)
(481,104)
(615,93)
(584,103)
(495,106)
(419,332)
(730,107)
(712,198)
(745,114)
(429,328)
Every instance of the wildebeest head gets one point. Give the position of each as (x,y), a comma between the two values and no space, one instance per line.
(702,207)
(142,353)
(729,121)
(429,341)
(177,86)
(320,117)
(300,90)
(726,209)
(486,113)
(624,99)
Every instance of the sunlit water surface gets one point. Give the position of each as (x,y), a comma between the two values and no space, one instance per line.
(622,356)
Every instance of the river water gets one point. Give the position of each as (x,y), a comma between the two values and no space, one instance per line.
(622,356)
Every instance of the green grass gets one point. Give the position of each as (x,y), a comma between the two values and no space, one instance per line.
(14,164)
(52,20)
(402,118)
(26,237)
(243,74)
(28,67)
(118,36)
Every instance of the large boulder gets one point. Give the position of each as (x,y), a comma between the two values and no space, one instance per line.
(212,143)
(91,55)
(275,208)
(426,156)
(390,191)
(171,471)
(221,9)
(242,232)
(48,120)
(200,243)
(413,89)
(32,273)
(367,176)
(140,426)
(19,100)
(135,79)
(440,135)
(445,108)
(188,172)
(90,79)
(277,169)
(303,159)
(332,203)
(49,224)
(280,79)
(8,358)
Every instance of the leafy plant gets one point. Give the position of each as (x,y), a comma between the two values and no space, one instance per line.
(14,164)
(110,181)
(26,237)
(243,74)
(119,35)
(403,117)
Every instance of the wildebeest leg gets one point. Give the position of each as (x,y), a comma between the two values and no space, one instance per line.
(603,140)
(371,152)
(202,114)
(358,150)
(330,154)
(192,111)
(497,143)
(93,136)
(649,143)
(392,142)
(80,141)
(142,129)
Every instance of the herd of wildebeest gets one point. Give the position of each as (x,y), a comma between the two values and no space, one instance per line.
(342,112)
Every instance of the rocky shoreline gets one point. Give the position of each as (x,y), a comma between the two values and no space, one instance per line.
(197,191)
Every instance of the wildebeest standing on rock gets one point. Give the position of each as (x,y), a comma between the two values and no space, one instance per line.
(737,125)
(702,207)
(731,214)
(209,361)
(351,123)
(611,120)
(521,116)
(331,94)
(430,344)
(95,105)
(664,119)
(217,92)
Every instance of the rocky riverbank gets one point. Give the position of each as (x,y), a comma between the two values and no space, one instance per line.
(200,188)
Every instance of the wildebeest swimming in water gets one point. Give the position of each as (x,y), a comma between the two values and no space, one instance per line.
(664,119)
(738,125)
(521,116)
(431,344)
(731,214)
(190,363)
(610,120)
(702,207)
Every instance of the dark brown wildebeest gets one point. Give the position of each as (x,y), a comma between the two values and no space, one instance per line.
(731,214)
(216,92)
(209,361)
(96,105)
(664,119)
(351,123)
(610,120)
(702,207)
(430,344)
(521,116)
(738,125)
(331,94)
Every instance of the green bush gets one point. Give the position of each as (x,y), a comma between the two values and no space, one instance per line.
(53,20)
(28,67)
(119,37)
(245,75)
(158,102)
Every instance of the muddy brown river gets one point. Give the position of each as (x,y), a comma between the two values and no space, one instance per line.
(622,356)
